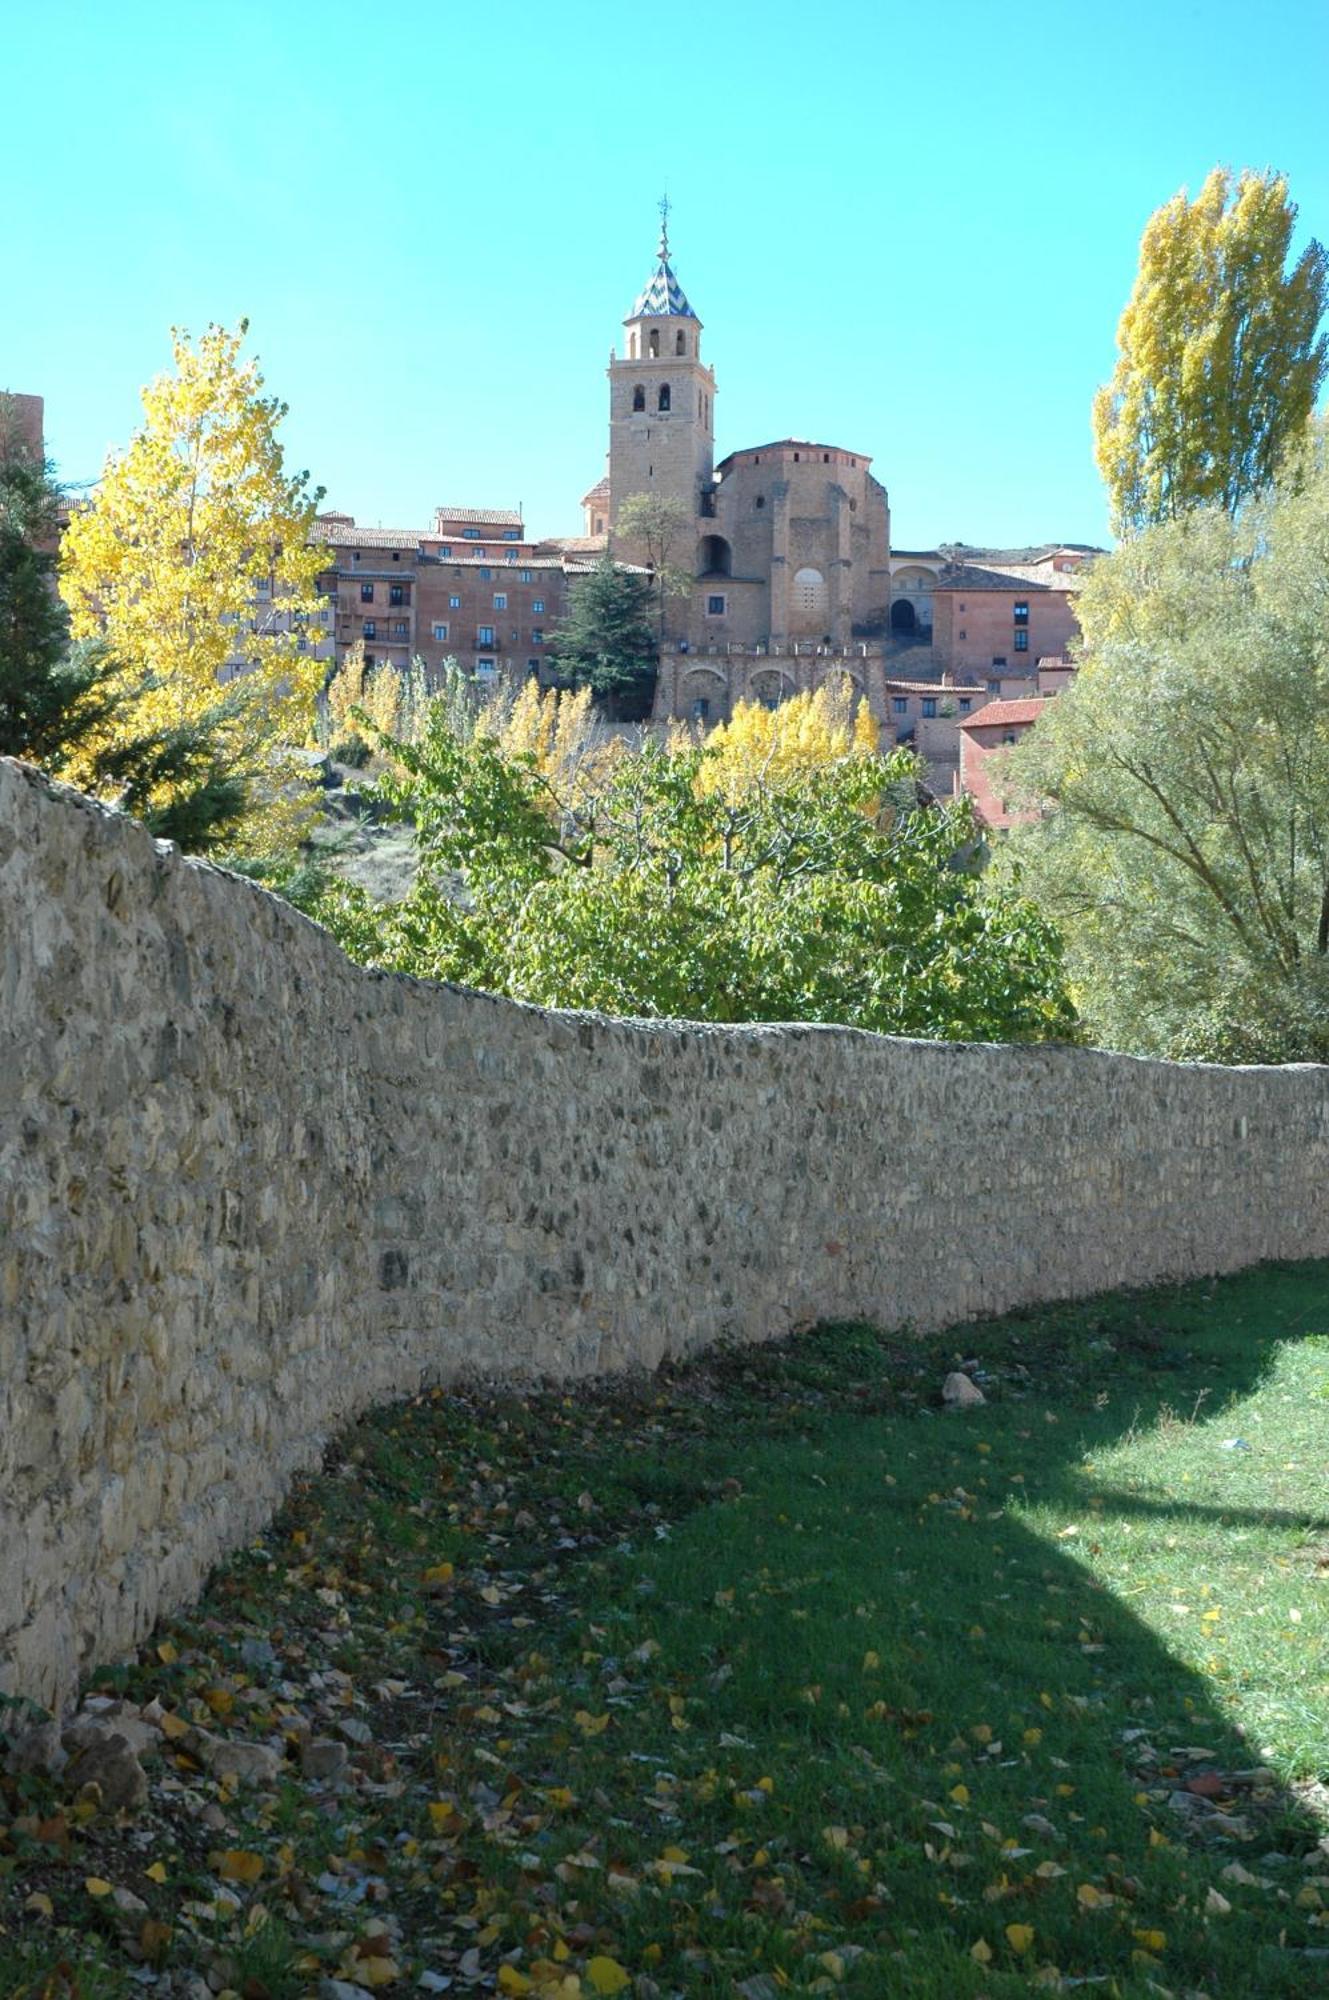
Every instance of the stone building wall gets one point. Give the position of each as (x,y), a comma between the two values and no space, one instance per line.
(248,1190)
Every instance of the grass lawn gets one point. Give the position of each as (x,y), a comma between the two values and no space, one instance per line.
(767,1676)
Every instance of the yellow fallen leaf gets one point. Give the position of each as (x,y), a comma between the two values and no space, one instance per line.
(491,1594)
(871,1661)
(1151,1940)
(591,1725)
(40,1905)
(167,1653)
(156,1872)
(1090,1898)
(1019,1936)
(560,1797)
(981,1952)
(512,1981)
(376,1971)
(831,1961)
(96,1886)
(607,1975)
(439,1573)
(237,1864)
(959,1795)
(835,1836)
(173,1726)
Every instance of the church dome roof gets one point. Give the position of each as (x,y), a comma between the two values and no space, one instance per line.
(662,297)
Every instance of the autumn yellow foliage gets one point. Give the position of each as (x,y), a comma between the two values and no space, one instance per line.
(805,733)
(1219,354)
(195,550)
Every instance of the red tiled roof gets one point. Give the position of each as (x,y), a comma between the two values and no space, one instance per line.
(501,517)
(342,535)
(997,712)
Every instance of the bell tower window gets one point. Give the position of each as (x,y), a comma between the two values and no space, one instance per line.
(639,397)
(662,401)
(680,342)
(654,339)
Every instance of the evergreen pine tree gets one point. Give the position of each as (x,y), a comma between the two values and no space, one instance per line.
(606,643)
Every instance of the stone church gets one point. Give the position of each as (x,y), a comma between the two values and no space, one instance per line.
(788,542)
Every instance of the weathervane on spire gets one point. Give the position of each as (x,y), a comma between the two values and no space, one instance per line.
(664,226)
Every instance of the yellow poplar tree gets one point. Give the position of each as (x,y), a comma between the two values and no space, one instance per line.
(167,564)
(1219,353)
(805,733)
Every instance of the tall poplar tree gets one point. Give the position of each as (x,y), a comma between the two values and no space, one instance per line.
(1220,357)
(198,547)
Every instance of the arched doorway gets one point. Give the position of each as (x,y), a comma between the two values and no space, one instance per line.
(904,618)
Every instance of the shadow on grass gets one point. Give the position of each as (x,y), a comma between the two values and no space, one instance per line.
(928,1705)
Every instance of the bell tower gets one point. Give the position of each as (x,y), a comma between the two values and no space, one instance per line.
(661,396)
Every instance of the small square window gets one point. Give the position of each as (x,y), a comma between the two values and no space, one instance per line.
(998,659)
(524,575)
(440,631)
(715,606)
(500,600)
(485,576)
(445,550)
(994,687)
(965,704)
(401,628)
(454,604)
(486,670)
(701,709)
(470,534)
(929,705)
(899,704)
(512,534)
(1021,612)
(537,604)
(371,629)
(366,593)
(485,636)
(537,636)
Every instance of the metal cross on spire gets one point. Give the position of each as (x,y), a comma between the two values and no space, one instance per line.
(664,227)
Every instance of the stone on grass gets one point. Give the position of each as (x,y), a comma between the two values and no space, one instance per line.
(323,1761)
(104,1758)
(250,1763)
(959,1393)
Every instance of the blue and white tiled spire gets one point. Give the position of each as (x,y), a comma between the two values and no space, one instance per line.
(662,296)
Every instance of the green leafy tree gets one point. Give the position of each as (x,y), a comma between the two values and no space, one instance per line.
(606,641)
(658,528)
(1219,353)
(38,692)
(827,894)
(1183,844)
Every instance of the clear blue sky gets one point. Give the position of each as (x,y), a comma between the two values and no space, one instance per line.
(908,230)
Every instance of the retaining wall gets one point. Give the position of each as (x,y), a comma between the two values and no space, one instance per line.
(248,1189)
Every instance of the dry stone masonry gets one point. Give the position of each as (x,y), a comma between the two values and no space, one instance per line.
(248,1189)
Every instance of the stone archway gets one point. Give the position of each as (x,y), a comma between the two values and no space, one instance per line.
(904,619)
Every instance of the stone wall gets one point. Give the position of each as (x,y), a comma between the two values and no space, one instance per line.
(247,1190)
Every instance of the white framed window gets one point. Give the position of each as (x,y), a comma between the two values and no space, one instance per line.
(500,600)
